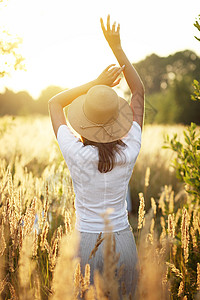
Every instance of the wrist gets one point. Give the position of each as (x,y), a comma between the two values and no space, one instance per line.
(116,47)
(96,82)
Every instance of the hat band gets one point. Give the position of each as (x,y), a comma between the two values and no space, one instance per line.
(97,125)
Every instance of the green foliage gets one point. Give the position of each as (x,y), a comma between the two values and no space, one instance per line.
(196,93)
(173,106)
(187,162)
(187,166)
(158,73)
(197,25)
(167,108)
(11,59)
(189,111)
(168,85)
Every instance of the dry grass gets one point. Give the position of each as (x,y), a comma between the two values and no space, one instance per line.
(38,255)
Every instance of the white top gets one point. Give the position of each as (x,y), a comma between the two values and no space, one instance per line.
(96,191)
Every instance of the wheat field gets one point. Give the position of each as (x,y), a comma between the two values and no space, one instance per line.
(38,243)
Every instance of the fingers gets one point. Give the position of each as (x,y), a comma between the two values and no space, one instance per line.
(116,71)
(114,74)
(116,82)
(118,28)
(113,27)
(108,23)
(102,26)
(110,75)
(108,29)
(106,69)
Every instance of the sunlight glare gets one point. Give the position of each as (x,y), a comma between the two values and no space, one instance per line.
(64,46)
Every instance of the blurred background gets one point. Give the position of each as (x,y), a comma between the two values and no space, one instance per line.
(48,46)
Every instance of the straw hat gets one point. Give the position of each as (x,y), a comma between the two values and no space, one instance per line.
(100,115)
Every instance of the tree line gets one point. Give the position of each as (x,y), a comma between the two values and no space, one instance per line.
(22,103)
(168,86)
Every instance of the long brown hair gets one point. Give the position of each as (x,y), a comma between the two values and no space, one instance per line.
(107,153)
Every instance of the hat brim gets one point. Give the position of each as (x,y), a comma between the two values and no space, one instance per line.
(111,131)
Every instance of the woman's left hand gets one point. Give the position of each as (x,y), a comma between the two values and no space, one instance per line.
(109,76)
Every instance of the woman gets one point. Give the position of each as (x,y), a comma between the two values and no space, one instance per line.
(100,145)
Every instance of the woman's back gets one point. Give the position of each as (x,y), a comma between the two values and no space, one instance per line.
(96,191)
(99,115)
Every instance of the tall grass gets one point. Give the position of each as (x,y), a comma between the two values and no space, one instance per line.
(38,242)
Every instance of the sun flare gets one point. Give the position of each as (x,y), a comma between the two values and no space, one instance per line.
(63,44)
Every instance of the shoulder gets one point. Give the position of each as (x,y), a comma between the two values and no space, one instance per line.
(135,131)
(65,131)
(134,136)
(65,137)
(136,127)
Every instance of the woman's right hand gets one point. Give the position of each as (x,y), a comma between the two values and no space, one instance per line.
(110,76)
(112,35)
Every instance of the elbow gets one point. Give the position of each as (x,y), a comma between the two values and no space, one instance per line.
(51,101)
(53,105)
(138,88)
(50,108)
(142,88)
(54,101)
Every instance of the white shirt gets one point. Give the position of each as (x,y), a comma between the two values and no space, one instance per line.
(96,191)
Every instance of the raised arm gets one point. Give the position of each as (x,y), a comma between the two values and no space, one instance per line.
(134,82)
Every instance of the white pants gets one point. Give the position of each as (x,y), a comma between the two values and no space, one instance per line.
(125,245)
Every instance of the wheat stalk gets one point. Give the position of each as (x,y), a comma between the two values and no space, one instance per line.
(185,234)
(141,211)
(147,176)
(68,226)
(153,205)
(171,202)
(26,268)
(181,289)
(3,283)
(2,240)
(98,242)
(171,226)
(161,203)
(63,286)
(198,276)
(111,259)
(175,270)
(43,237)
(35,243)
(77,280)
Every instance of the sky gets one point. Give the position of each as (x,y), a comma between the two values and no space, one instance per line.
(63,44)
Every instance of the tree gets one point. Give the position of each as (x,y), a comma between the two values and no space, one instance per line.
(47,94)
(19,103)
(11,59)
(187,161)
(158,73)
(168,85)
